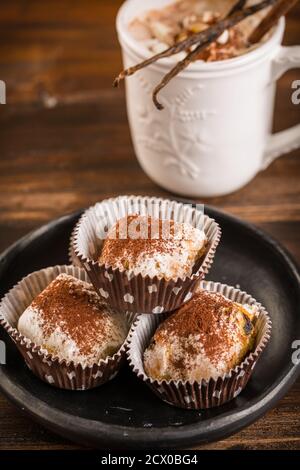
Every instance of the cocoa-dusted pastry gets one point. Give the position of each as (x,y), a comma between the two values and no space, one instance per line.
(154,247)
(69,321)
(145,254)
(204,339)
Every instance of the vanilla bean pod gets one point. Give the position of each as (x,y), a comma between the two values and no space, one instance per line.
(213,33)
(278,10)
(204,37)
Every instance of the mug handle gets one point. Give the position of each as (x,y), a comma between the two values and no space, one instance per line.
(285,141)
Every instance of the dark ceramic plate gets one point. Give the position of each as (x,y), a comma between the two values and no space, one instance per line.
(124,413)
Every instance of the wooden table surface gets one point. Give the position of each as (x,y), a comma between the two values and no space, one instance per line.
(65,144)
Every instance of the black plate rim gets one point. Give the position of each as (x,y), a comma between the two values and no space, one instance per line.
(97,433)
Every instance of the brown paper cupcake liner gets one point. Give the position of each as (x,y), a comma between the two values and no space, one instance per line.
(203,394)
(131,316)
(47,367)
(71,252)
(123,289)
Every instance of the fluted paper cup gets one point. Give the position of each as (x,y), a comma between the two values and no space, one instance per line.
(123,289)
(71,252)
(49,368)
(199,394)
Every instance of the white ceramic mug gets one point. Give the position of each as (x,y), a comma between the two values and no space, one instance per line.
(214,134)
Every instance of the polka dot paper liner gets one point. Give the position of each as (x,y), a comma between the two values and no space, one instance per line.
(123,289)
(202,394)
(49,368)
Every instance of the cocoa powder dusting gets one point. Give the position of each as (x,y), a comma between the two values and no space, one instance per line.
(76,309)
(137,234)
(216,51)
(150,236)
(207,315)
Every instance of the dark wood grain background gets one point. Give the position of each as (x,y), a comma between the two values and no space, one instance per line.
(65,144)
